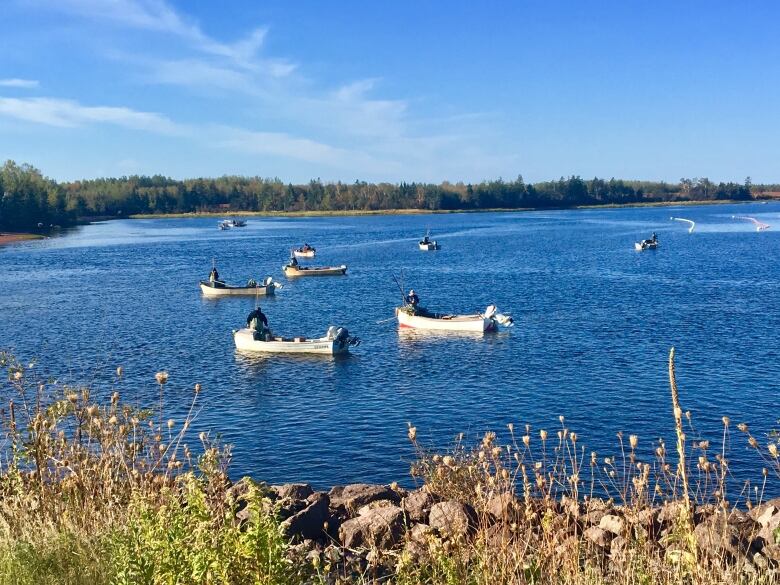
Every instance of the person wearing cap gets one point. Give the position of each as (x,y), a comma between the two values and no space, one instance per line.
(412,299)
(254,321)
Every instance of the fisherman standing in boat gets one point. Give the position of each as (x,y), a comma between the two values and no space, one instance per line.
(214,277)
(413,301)
(254,321)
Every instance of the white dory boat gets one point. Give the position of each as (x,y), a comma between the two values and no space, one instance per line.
(480,323)
(305,252)
(427,244)
(295,270)
(336,340)
(650,244)
(220,289)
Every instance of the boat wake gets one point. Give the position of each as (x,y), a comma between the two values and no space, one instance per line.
(760,226)
(688,221)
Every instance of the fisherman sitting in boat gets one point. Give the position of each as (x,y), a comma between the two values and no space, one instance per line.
(425,240)
(257,322)
(412,299)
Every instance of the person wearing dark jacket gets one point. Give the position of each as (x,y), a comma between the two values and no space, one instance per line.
(257,321)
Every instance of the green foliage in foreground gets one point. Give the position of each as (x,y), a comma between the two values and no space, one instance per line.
(178,537)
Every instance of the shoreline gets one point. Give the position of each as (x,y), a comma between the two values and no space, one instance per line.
(373,212)
(12,238)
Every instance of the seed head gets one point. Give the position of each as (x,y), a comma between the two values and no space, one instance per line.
(170,423)
(73,397)
(742,427)
(773,450)
(726,420)
(543,434)
(161,377)
(198,388)
(113,420)
(511,427)
(412,433)
(115,398)
(119,371)
(18,375)
(448,461)
(633,440)
(752,441)
(202,436)
(526,440)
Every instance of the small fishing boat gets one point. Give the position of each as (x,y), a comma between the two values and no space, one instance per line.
(224,224)
(220,289)
(650,244)
(418,318)
(297,270)
(336,340)
(238,222)
(305,251)
(427,244)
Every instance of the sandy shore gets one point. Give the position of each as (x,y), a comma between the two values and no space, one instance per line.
(11,238)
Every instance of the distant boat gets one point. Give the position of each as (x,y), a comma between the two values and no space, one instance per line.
(650,244)
(296,270)
(481,322)
(220,289)
(427,244)
(238,222)
(337,340)
(225,224)
(305,251)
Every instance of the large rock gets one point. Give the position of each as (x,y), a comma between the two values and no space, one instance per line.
(723,536)
(379,527)
(597,536)
(309,522)
(452,518)
(504,506)
(614,524)
(763,512)
(354,496)
(293,491)
(417,505)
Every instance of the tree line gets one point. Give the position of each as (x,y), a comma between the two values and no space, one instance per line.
(30,200)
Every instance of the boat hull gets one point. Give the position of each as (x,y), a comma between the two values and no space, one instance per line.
(310,271)
(640,246)
(306,254)
(227,291)
(472,323)
(245,341)
(429,246)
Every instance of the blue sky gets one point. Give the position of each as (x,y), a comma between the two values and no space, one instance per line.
(431,91)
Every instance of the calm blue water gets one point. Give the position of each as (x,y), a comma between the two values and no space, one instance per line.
(595,321)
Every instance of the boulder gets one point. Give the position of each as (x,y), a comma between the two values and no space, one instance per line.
(378,527)
(363,510)
(614,524)
(452,518)
(726,536)
(354,496)
(597,536)
(417,505)
(504,506)
(763,512)
(309,522)
(293,491)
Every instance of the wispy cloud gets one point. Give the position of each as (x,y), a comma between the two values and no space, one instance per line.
(20,83)
(71,114)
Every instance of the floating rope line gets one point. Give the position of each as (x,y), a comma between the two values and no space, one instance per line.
(760,226)
(688,221)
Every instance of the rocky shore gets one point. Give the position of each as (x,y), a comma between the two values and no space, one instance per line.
(362,529)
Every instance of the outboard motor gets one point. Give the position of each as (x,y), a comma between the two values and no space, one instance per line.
(343,337)
(490,311)
(268,280)
(331,334)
